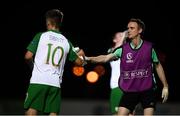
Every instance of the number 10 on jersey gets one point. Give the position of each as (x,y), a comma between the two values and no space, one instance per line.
(52,52)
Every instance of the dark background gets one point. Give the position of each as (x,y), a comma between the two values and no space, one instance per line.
(89,25)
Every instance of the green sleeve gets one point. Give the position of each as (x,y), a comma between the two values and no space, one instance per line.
(72,56)
(118,52)
(154,57)
(34,43)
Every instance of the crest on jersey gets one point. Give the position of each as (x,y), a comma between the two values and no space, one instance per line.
(129,57)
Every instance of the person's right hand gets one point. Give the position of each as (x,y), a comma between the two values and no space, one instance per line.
(81,53)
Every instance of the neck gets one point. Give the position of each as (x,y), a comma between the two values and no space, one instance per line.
(117,45)
(54,28)
(136,41)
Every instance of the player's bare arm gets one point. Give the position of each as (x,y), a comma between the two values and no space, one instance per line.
(162,77)
(101,58)
(28,56)
(29,59)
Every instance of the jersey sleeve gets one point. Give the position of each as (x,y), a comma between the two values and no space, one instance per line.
(117,53)
(154,56)
(34,43)
(72,56)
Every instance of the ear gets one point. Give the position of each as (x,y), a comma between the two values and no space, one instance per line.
(140,30)
(48,22)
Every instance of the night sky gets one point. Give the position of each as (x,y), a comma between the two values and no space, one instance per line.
(89,25)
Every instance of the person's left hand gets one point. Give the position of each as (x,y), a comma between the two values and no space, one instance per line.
(165,94)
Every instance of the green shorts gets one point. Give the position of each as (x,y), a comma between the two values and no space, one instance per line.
(115,97)
(43,98)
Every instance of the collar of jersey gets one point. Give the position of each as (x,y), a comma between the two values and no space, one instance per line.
(133,46)
(56,31)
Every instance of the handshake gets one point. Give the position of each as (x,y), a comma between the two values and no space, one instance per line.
(100,58)
(81,55)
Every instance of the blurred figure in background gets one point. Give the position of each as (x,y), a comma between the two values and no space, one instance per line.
(116,92)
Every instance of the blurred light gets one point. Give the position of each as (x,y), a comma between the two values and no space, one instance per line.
(92,77)
(100,70)
(78,70)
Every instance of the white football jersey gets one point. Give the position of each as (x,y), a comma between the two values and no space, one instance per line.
(115,73)
(50,58)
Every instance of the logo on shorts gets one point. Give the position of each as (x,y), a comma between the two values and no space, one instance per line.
(129,57)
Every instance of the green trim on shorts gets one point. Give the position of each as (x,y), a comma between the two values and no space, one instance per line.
(115,97)
(43,98)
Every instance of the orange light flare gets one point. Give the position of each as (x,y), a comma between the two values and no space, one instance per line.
(92,77)
(100,70)
(78,70)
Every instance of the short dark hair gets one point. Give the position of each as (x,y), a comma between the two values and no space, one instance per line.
(139,22)
(55,16)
